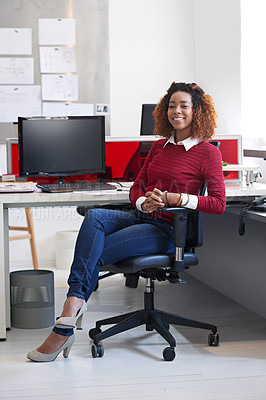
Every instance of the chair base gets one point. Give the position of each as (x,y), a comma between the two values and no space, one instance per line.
(153,319)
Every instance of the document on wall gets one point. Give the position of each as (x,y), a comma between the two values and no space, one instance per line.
(15,41)
(57,59)
(66,109)
(56,31)
(60,87)
(16,71)
(19,101)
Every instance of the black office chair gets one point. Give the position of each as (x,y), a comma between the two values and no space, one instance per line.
(188,235)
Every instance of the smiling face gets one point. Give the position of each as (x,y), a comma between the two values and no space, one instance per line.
(180,114)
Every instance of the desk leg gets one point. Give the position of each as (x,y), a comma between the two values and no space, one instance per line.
(7,267)
(3,276)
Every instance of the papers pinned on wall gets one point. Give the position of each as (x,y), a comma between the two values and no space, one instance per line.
(60,87)
(56,31)
(19,101)
(57,59)
(16,71)
(15,41)
(67,109)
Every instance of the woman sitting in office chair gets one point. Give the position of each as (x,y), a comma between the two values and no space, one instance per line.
(172,175)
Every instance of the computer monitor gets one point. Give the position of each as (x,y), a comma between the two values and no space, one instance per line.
(147,121)
(61,146)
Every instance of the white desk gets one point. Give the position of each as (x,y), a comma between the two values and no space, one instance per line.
(17,200)
(233,191)
(236,191)
(232,264)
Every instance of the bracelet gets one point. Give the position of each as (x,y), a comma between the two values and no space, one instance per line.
(167,202)
(183,205)
(180,200)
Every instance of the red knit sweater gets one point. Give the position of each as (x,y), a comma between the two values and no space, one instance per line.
(176,170)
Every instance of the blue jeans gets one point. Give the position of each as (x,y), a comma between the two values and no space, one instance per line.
(108,236)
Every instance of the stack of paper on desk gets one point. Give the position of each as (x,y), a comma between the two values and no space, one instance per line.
(15,187)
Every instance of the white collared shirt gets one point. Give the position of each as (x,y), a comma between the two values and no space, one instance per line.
(191,200)
(188,143)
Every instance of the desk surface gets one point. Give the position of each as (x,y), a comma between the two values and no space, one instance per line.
(13,200)
(234,191)
(241,190)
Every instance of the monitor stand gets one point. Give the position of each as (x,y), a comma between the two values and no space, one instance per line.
(60,180)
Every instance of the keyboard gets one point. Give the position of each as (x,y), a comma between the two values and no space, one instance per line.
(75,186)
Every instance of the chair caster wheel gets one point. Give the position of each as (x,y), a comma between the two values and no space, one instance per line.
(213,339)
(169,354)
(93,332)
(97,350)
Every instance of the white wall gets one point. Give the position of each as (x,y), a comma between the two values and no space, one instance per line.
(217,54)
(253,66)
(151,45)
(153,42)
(253,83)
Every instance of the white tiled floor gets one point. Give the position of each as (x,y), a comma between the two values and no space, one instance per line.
(133,367)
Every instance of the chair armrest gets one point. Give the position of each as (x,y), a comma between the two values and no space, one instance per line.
(180,223)
(176,210)
(116,206)
(180,229)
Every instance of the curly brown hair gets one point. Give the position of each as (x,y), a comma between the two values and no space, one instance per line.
(204,119)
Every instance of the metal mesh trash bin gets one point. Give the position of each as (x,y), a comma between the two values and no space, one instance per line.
(32,299)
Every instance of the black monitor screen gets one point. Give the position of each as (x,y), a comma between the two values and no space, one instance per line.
(61,146)
(147,121)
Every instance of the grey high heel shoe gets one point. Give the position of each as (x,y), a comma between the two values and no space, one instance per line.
(71,322)
(35,355)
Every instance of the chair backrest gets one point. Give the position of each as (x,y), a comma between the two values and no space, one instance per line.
(194,231)
(195,220)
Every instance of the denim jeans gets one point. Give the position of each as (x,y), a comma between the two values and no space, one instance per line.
(108,236)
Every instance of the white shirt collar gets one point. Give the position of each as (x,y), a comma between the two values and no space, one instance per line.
(188,143)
